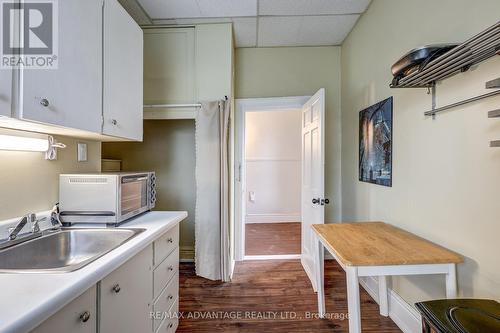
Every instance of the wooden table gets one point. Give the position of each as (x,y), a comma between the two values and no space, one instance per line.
(379,249)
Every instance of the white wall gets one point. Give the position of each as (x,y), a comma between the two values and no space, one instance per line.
(445,177)
(273,164)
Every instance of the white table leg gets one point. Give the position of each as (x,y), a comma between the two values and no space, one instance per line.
(353,300)
(320,278)
(383,301)
(451,282)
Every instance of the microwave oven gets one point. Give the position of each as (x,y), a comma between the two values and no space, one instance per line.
(109,198)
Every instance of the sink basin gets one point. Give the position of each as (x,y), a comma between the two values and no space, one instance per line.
(63,251)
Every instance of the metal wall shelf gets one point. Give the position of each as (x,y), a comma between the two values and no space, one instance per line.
(459,59)
(493,84)
(494,114)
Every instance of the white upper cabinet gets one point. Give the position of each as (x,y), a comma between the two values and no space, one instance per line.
(71,95)
(5,92)
(123,74)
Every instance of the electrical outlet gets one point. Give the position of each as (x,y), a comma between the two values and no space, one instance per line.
(82,152)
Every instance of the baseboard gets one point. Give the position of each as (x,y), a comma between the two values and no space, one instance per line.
(272,218)
(406,317)
(186,253)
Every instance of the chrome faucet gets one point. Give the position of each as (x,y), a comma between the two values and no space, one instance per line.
(20,225)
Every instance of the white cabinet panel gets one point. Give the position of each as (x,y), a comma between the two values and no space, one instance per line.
(5,92)
(79,316)
(123,73)
(126,294)
(169,66)
(74,90)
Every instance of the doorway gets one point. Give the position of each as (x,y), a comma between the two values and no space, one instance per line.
(268,178)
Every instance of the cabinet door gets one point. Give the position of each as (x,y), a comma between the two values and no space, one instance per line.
(5,92)
(169,67)
(79,316)
(74,90)
(123,73)
(126,294)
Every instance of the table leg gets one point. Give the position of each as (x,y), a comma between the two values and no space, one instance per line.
(451,281)
(383,301)
(353,300)
(320,278)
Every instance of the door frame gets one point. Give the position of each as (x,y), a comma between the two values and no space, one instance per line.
(241,107)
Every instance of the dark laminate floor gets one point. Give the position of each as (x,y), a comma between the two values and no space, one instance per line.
(275,286)
(272,238)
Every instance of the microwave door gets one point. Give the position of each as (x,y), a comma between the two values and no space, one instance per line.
(133,195)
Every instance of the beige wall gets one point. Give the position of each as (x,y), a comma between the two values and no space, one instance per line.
(445,177)
(29,183)
(299,71)
(168,149)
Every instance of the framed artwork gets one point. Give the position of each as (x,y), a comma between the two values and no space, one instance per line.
(375,143)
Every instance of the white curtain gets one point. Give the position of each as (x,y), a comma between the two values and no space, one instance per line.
(212,191)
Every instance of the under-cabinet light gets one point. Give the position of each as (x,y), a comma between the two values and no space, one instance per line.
(20,143)
(47,145)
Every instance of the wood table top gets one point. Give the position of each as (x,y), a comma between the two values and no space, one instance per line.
(381,244)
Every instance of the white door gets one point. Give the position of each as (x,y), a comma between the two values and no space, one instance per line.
(123,78)
(313,176)
(70,96)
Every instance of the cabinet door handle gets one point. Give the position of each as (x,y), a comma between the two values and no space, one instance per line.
(84,317)
(170,297)
(170,325)
(170,268)
(117,288)
(170,240)
(44,102)
(114,122)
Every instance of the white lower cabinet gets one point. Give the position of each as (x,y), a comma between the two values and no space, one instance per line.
(125,296)
(140,296)
(79,316)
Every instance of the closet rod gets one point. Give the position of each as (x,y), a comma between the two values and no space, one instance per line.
(164,106)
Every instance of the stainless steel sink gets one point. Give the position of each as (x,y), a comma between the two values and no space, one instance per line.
(63,251)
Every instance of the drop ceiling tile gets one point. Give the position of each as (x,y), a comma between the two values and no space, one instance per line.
(227,8)
(245,31)
(166,9)
(311,7)
(279,31)
(325,30)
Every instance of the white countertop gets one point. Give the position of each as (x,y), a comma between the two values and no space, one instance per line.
(26,300)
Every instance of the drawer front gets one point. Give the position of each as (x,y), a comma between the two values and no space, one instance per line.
(166,299)
(164,245)
(169,325)
(79,316)
(164,272)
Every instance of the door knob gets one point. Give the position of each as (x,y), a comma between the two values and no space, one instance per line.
(325,202)
(316,201)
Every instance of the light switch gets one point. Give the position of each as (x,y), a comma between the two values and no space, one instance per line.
(82,152)
(251,196)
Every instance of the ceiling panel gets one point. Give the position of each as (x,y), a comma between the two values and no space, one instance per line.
(311,7)
(165,9)
(227,8)
(325,30)
(245,31)
(279,31)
